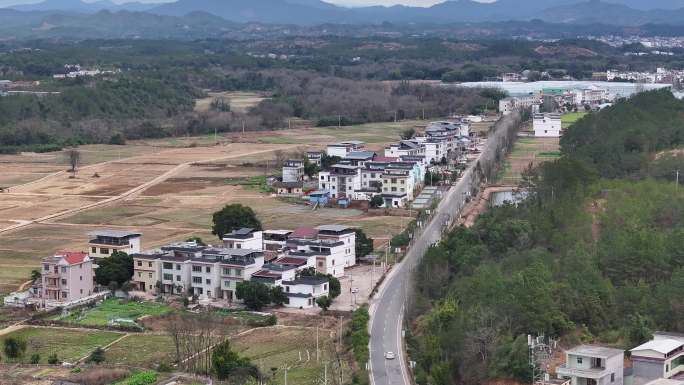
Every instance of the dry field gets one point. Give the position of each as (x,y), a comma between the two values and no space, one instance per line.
(165,188)
(239,101)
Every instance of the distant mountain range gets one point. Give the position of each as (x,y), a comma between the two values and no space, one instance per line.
(190,17)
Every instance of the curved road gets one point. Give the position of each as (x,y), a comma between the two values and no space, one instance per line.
(387,308)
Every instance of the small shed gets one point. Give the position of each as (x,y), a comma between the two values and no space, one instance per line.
(319,197)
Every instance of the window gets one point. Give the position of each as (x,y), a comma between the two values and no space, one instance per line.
(168,265)
(322,177)
(373,175)
(93,250)
(238,271)
(168,277)
(239,246)
(226,271)
(149,275)
(579,360)
(197,269)
(402,181)
(64,294)
(178,267)
(394,189)
(612,377)
(325,286)
(64,281)
(208,282)
(149,264)
(63,269)
(226,283)
(178,278)
(80,278)
(287,289)
(104,250)
(81,291)
(139,275)
(197,280)
(207,269)
(46,267)
(140,263)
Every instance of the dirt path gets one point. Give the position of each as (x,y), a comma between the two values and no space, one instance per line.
(134,192)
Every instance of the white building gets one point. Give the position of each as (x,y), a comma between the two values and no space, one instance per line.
(293,171)
(547,125)
(342,180)
(343,148)
(244,238)
(344,234)
(593,365)
(105,242)
(662,357)
(302,292)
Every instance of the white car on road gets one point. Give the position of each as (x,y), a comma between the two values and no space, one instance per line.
(389,355)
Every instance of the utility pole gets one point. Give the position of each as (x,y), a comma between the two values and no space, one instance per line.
(216,135)
(339,121)
(325,374)
(317,351)
(243,126)
(677,182)
(395,116)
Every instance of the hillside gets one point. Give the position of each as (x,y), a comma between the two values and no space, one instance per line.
(584,258)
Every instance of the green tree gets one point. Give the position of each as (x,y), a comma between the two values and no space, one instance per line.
(255,295)
(53,359)
(35,275)
(232,217)
(117,268)
(364,244)
(324,302)
(278,296)
(376,201)
(14,347)
(225,363)
(97,356)
(117,139)
(310,168)
(35,358)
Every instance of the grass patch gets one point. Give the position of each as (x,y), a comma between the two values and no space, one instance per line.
(110,310)
(69,345)
(140,378)
(141,350)
(568,119)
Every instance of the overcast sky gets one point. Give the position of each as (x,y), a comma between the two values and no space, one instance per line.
(350,3)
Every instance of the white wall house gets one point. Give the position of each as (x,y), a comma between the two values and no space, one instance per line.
(593,365)
(343,148)
(662,357)
(547,125)
(344,235)
(104,243)
(244,238)
(302,292)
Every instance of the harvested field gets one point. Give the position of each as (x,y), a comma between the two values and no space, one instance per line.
(239,101)
(141,350)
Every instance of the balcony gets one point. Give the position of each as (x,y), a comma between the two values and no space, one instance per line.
(593,373)
(105,242)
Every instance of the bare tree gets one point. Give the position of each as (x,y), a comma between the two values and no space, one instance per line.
(74,159)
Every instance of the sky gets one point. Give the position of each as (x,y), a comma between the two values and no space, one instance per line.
(347,3)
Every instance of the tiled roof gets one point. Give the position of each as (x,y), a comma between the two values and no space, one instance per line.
(304,232)
(73,257)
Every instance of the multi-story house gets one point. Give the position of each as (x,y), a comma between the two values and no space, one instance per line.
(359,158)
(244,238)
(314,157)
(274,242)
(331,256)
(293,171)
(405,148)
(593,365)
(342,180)
(343,148)
(396,187)
(662,357)
(66,277)
(547,125)
(146,272)
(343,234)
(106,242)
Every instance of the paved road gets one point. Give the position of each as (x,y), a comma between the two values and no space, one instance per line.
(387,309)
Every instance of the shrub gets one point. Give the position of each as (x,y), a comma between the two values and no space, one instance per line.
(142,378)
(164,367)
(53,360)
(97,356)
(14,347)
(35,358)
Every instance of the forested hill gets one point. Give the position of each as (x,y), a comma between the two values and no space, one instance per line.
(586,258)
(621,140)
